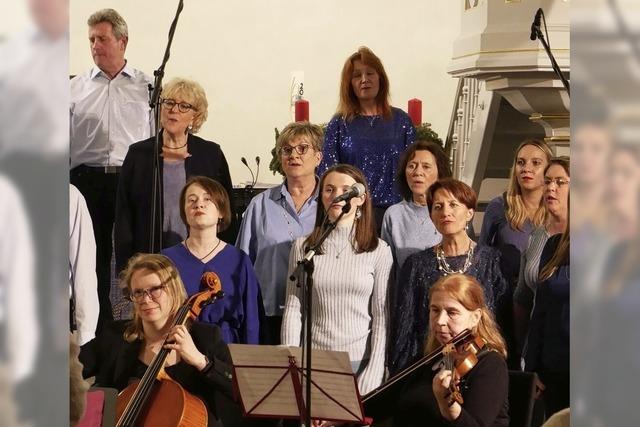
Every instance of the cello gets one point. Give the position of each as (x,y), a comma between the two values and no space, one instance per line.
(156,399)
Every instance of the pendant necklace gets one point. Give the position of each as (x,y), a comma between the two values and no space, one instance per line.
(210,252)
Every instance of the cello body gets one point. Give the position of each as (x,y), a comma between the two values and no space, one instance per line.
(169,405)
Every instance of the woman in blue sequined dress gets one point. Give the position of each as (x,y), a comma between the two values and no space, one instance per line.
(366,131)
(451,204)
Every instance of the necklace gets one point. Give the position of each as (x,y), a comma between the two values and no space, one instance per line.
(175,148)
(210,252)
(341,250)
(444,266)
(371,119)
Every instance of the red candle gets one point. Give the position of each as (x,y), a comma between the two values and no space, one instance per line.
(415,111)
(302,110)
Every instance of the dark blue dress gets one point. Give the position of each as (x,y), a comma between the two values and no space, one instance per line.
(410,299)
(238,313)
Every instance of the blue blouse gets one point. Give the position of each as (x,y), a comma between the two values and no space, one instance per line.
(372,144)
(238,312)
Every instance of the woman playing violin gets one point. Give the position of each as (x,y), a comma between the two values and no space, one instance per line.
(199,360)
(456,303)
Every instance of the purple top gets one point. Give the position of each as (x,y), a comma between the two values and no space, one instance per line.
(497,232)
(372,144)
(237,313)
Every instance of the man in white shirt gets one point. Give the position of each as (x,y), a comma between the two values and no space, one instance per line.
(109,111)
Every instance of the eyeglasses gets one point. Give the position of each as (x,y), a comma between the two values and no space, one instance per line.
(153,292)
(300,149)
(559,181)
(183,107)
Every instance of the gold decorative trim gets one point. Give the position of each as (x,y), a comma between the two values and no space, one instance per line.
(557,139)
(512,1)
(507,51)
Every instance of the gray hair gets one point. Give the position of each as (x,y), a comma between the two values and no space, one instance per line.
(118,24)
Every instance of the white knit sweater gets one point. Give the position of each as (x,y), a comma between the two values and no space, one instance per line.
(349,303)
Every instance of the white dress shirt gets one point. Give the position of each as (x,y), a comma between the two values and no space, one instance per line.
(82,267)
(108,115)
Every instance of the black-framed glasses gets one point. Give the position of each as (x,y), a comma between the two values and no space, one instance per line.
(559,181)
(183,107)
(300,149)
(153,292)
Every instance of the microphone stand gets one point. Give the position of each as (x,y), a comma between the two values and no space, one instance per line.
(554,64)
(303,275)
(154,104)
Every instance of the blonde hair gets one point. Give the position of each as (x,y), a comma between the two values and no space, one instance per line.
(515,212)
(169,277)
(468,292)
(191,92)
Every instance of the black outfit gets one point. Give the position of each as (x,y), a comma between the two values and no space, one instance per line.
(547,348)
(114,362)
(98,185)
(134,199)
(484,390)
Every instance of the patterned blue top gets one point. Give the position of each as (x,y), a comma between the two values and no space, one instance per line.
(237,313)
(410,303)
(372,144)
(269,226)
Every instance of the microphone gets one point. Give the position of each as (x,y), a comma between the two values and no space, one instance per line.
(535,25)
(257,169)
(356,190)
(253,178)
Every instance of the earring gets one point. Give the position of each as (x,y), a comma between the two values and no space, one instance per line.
(358,212)
(188,129)
(466,226)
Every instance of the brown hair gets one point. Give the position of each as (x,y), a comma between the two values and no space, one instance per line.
(515,212)
(169,277)
(366,237)
(458,189)
(468,292)
(349,104)
(191,92)
(442,163)
(217,193)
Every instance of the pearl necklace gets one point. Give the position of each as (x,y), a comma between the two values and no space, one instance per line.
(444,266)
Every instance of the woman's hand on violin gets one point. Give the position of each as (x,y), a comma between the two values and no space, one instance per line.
(179,339)
(322,423)
(441,382)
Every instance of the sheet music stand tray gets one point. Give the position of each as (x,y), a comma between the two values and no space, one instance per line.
(269,382)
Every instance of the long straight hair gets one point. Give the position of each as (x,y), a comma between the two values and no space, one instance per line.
(516,213)
(467,291)
(365,238)
(349,104)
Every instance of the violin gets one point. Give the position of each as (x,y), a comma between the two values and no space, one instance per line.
(374,401)
(460,360)
(156,399)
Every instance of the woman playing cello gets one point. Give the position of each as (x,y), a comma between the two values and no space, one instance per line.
(456,303)
(199,360)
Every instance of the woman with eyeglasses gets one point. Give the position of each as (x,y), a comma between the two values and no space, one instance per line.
(122,351)
(556,199)
(183,111)
(366,131)
(279,215)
